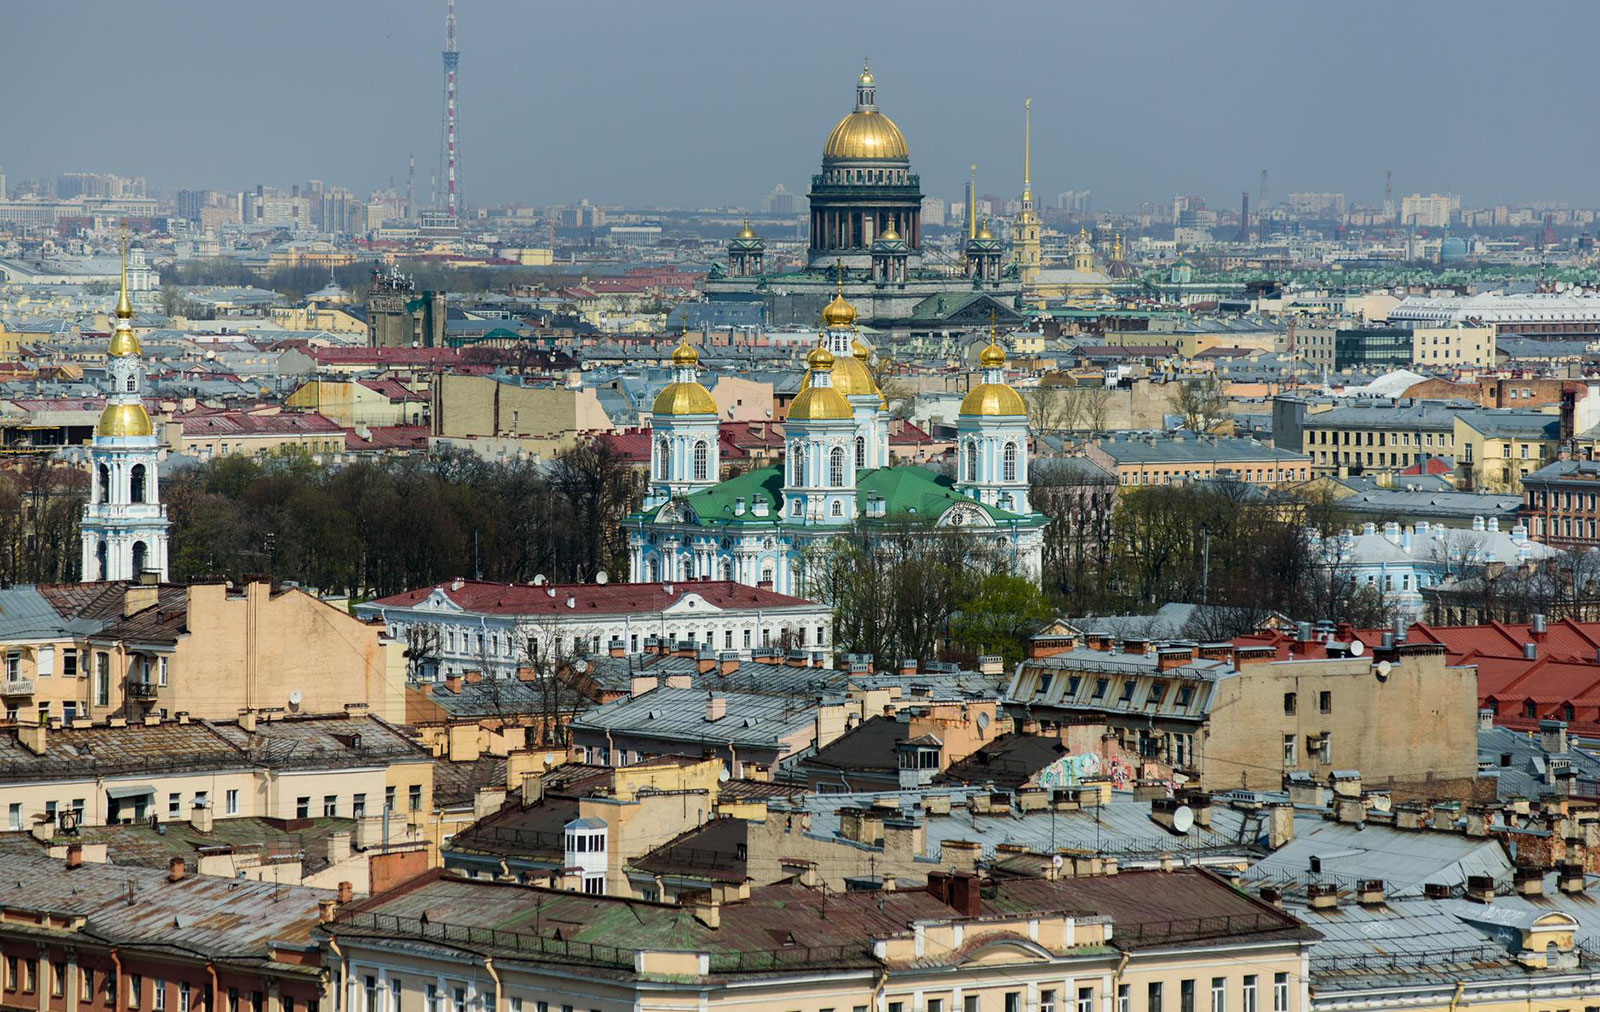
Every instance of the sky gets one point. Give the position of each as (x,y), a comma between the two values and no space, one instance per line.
(701,103)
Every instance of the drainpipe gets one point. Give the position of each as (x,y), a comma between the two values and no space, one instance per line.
(216,989)
(116,975)
(344,963)
(1455,999)
(488,964)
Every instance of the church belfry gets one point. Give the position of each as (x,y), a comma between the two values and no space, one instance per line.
(1027,223)
(124,526)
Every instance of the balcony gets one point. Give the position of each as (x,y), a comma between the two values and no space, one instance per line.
(17,687)
(141,690)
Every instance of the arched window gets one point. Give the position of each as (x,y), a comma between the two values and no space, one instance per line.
(972,460)
(836,467)
(652,570)
(797,460)
(136,484)
(131,385)
(663,458)
(766,573)
(702,460)
(101,572)
(838,508)
(105,483)
(1009,463)
(140,554)
(861,452)
(727,569)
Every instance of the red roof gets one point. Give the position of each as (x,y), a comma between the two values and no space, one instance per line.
(393,389)
(388,437)
(237,423)
(591,598)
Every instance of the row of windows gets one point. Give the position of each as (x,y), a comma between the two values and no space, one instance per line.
(1009,458)
(1563,500)
(701,455)
(358,803)
(1155,998)
(1322,437)
(1258,475)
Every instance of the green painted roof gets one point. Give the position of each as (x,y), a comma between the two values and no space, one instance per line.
(908,490)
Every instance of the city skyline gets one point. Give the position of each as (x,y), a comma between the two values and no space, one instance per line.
(714,109)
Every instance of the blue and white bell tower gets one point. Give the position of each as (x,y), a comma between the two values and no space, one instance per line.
(124,526)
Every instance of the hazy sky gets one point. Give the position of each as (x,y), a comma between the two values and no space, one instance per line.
(689,102)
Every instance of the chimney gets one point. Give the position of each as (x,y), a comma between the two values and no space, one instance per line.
(1569,878)
(1350,810)
(345,894)
(326,911)
(453,683)
(1322,896)
(1553,736)
(136,597)
(908,667)
(474,677)
(1485,719)
(638,685)
(728,662)
(705,662)
(175,870)
(1477,822)
(34,737)
(1273,895)
(1480,888)
(1173,657)
(201,818)
(338,847)
(1371,892)
(1436,890)
(991,664)
(1530,651)
(1135,646)
(74,855)
(1536,628)
(247,720)
(1412,817)
(1280,825)
(961,893)
(616,649)
(716,706)
(1529,881)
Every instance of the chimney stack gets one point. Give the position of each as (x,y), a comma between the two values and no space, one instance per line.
(716,706)
(176,870)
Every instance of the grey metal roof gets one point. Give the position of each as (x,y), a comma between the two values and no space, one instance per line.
(1406,860)
(680,715)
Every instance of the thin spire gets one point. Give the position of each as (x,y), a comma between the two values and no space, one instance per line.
(838,277)
(1027,149)
(124,305)
(972,203)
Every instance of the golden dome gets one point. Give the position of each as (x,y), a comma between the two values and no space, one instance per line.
(850,377)
(865,133)
(684,355)
(820,359)
(861,352)
(889,234)
(984,233)
(866,74)
(993,356)
(123,420)
(993,399)
(838,313)
(747,232)
(819,404)
(684,399)
(123,343)
(124,306)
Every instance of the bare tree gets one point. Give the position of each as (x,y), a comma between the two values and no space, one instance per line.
(1201,403)
(424,643)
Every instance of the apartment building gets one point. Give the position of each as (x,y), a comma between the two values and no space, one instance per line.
(1379,438)
(1231,716)
(95,650)
(1443,348)
(1497,449)
(1561,504)
(342,766)
(1165,459)
(1146,941)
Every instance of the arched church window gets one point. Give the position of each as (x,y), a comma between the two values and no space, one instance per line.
(1009,462)
(702,460)
(836,467)
(663,459)
(101,572)
(861,452)
(972,460)
(838,508)
(727,570)
(141,553)
(105,483)
(796,463)
(131,385)
(652,570)
(136,483)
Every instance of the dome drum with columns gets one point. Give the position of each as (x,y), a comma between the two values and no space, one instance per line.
(761,527)
(124,526)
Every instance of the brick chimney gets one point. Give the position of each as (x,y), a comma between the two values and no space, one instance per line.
(176,870)
(907,668)
(345,894)
(616,649)
(453,683)
(728,662)
(716,706)
(74,855)
(706,662)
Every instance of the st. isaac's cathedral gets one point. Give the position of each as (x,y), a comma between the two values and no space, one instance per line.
(760,527)
(866,228)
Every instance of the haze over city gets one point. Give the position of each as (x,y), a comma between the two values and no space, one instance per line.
(712,103)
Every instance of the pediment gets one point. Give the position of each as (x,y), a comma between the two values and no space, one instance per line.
(1006,950)
(966,514)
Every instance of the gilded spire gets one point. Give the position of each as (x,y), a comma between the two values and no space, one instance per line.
(1027,150)
(972,203)
(124,305)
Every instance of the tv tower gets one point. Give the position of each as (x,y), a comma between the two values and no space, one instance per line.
(447,150)
(1388,195)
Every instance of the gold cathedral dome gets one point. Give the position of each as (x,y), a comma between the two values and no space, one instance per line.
(817,403)
(993,399)
(866,133)
(684,397)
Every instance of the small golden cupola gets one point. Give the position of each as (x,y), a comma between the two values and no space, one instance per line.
(819,400)
(851,377)
(685,395)
(124,413)
(994,396)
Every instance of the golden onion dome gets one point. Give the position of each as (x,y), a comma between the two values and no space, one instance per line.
(819,404)
(860,351)
(747,232)
(851,377)
(889,235)
(685,355)
(820,359)
(992,357)
(989,399)
(984,233)
(124,343)
(124,305)
(123,420)
(684,399)
(866,74)
(865,134)
(838,313)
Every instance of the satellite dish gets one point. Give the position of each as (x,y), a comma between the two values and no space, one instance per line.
(602,578)
(983,722)
(723,775)
(1356,646)
(1383,669)
(295,697)
(1380,802)
(538,581)
(549,760)
(1182,819)
(580,665)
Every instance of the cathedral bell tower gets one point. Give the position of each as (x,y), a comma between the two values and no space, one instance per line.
(124,526)
(1027,223)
